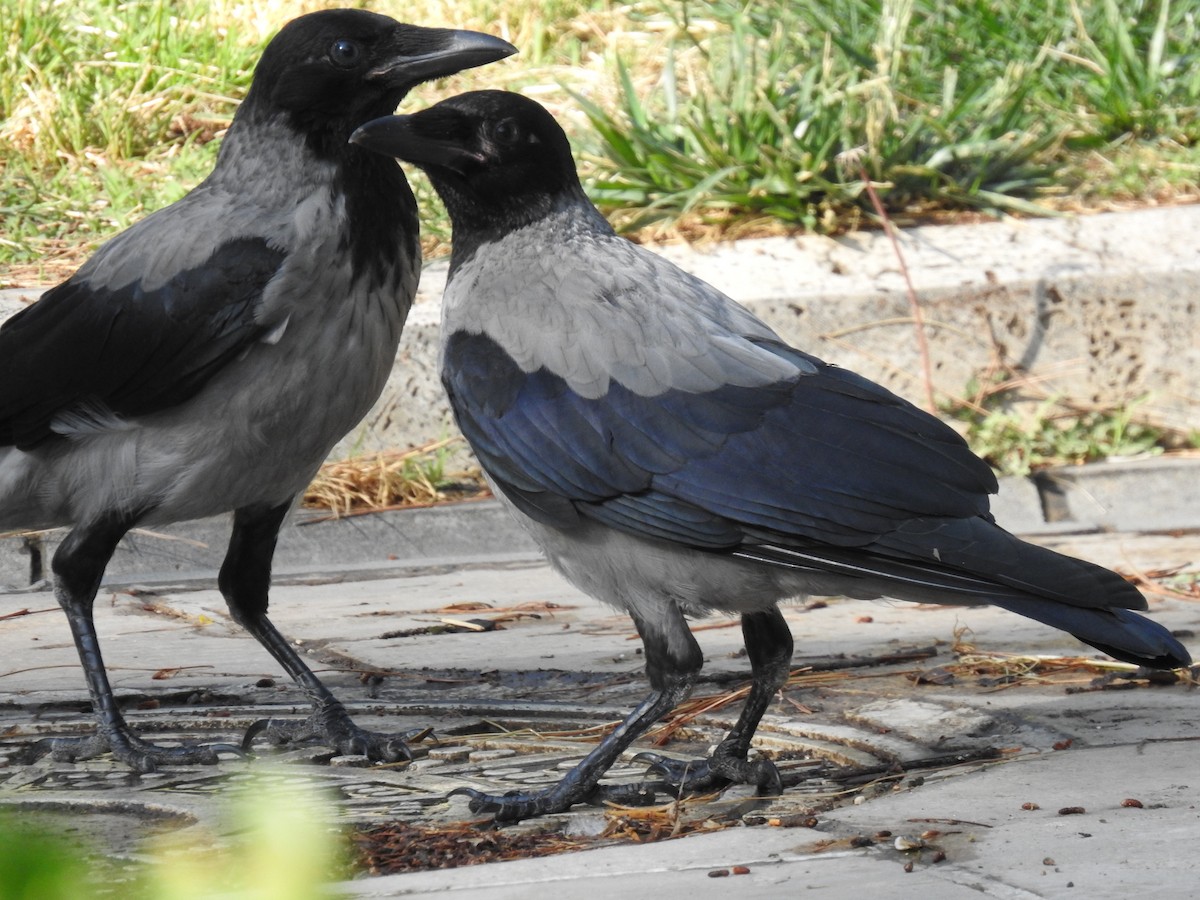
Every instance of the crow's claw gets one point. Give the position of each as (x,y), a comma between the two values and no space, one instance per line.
(702,776)
(639,794)
(683,776)
(334,729)
(140,755)
(514,806)
(511,807)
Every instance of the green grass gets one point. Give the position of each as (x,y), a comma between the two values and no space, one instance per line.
(777,108)
(107,115)
(1018,429)
(1019,442)
(718,113)
(108,110)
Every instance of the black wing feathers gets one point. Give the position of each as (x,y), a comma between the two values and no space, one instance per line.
(126,349)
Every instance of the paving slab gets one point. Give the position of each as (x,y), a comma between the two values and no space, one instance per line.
(562,662)
(992,847)
(1158,493)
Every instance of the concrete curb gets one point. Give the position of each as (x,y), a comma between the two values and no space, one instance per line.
(1149,495)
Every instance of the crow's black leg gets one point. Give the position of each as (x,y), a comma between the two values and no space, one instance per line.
(673,660)
(78,567)
(245,581)
(769,647)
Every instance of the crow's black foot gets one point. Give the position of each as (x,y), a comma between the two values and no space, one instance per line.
(139,755)
(683,776)
(703,776)
(333,727)
(517,805)
(643,793)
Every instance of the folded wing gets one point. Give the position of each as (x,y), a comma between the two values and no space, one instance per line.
(88,352)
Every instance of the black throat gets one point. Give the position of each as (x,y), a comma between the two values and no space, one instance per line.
(384,228)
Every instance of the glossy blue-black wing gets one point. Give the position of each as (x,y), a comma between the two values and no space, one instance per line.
(827,473)
(826,457)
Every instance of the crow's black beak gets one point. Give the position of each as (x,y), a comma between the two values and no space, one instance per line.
(428,139)
(391,136)
(422,54)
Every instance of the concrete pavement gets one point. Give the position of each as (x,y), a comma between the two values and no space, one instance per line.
(991,846)
(560,663)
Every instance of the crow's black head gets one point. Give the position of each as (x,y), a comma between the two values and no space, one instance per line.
(331,71)
(498,159)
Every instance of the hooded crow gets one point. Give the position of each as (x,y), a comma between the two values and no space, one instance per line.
(208,358)
(672,455)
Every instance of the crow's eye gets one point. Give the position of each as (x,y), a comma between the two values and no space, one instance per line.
(507,131)
(344,53)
